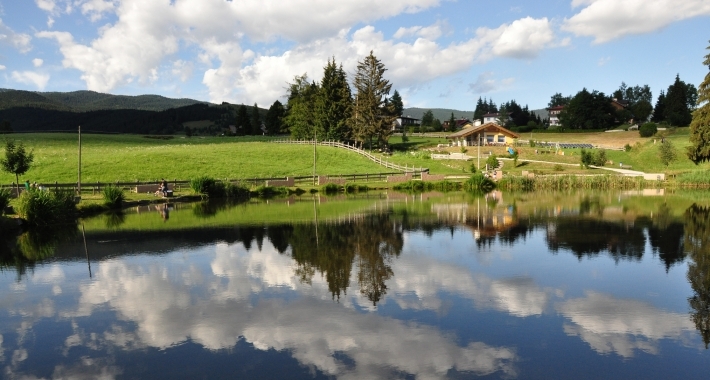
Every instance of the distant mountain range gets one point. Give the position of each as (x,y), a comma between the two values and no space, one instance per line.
(85,101)
(444,114)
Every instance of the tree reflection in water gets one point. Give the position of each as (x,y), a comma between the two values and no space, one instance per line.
(697,244)
(331,249)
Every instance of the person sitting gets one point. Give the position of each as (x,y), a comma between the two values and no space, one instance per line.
(164,186)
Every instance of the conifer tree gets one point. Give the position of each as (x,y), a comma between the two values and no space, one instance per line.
(243,123)
(333,104)
(452,122)
(677,108)
(372,117)
(699,151)
(659,110)
(480,110)
(274,118)
(255,121)
(397,104)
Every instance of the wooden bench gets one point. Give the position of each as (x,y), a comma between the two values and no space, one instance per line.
(625,166)
(152,188)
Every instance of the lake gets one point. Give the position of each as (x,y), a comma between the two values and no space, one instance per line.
(376,285)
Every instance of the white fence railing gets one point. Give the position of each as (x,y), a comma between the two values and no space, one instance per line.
(352,148)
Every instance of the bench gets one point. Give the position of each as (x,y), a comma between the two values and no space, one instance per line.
(146,188)
(625,166)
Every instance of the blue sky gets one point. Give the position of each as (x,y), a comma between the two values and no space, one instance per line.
(439,53)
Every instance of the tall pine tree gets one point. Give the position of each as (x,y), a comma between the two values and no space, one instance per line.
(699,151)
(677,104)
(255,121)
(300,107)
(243,123)
(659,111)
(333,104)
(372,117)
(397,104)
(274,118)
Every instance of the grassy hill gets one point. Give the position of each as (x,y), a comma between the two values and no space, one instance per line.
(84,101)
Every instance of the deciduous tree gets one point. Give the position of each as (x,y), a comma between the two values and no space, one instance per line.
(17,161)
(300,108)
(667,153)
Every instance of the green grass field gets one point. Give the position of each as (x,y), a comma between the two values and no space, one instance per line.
(110,158)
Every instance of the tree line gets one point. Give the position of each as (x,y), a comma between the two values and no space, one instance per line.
(333,110)
(627,104)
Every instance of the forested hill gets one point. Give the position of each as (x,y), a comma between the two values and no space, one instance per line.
(84,101)
(444,114)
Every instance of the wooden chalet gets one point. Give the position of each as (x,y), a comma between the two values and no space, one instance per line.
(486,134)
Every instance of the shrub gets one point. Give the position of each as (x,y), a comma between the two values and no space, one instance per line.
(586,159)
(202,185)
(667,153)
(532,143)
(558,168)
(353,188)
(648,129)
(478,182)
(4,200)
(472,168)
(235,191)
(270,191)
(599,158)
(492,161)
(47,208)
(627,148)
(330,188)
(113,196)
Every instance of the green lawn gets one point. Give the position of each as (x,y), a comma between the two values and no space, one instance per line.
(109,158)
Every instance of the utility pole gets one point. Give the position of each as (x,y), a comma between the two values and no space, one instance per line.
(315,138)
(79,175)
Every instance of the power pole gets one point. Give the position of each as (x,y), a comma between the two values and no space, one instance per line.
(79,174)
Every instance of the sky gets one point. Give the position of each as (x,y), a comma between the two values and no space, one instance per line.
(438,53)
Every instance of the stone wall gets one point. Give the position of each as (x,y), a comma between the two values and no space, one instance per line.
(399,178)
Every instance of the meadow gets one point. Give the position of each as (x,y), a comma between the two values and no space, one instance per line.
(127,158)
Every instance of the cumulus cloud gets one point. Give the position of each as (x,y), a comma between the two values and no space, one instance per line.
(19,41)
(37,62)
(2,67)
(523,38)
(95,9)
(609,324)
(606,20)
(36,79)
(147,33)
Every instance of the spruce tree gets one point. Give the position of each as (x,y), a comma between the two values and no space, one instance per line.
(452,122)
(699,151)
(659,111)
(480,110)
(243,122)
(274,118)
(677,108)
(255,121)
(333,104)
(396,101)
(372,118)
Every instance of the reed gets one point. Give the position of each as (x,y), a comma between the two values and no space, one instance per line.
(566,182)
(113,196)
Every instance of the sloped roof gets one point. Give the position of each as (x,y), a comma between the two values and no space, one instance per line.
(472,130)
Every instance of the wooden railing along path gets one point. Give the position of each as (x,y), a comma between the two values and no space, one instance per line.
(352,148)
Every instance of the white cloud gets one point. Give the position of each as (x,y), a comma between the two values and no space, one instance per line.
(37,62)
(147,33)
(2,67)
(19,41)
(96,8)
(50,21)
(523,38)
(606,20)
(432,32)
(616,325)
(46,5)
(31,78)
(603,61)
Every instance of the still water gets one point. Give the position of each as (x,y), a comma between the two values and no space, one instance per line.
(525,286)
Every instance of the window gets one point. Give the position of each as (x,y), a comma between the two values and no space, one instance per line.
(501,138)
(489,138)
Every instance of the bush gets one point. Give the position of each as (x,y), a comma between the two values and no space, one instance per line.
(472,168)
(532,143)
(558,168)
(330,188)
(586,159)
(492,161)
(113,196)
(202,185)
(599,158)
(648,129)
(5,195)
(47,208)
(627,148)
(478,182)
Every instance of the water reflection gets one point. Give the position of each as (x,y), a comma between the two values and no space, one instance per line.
(697,242)
(396,290)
